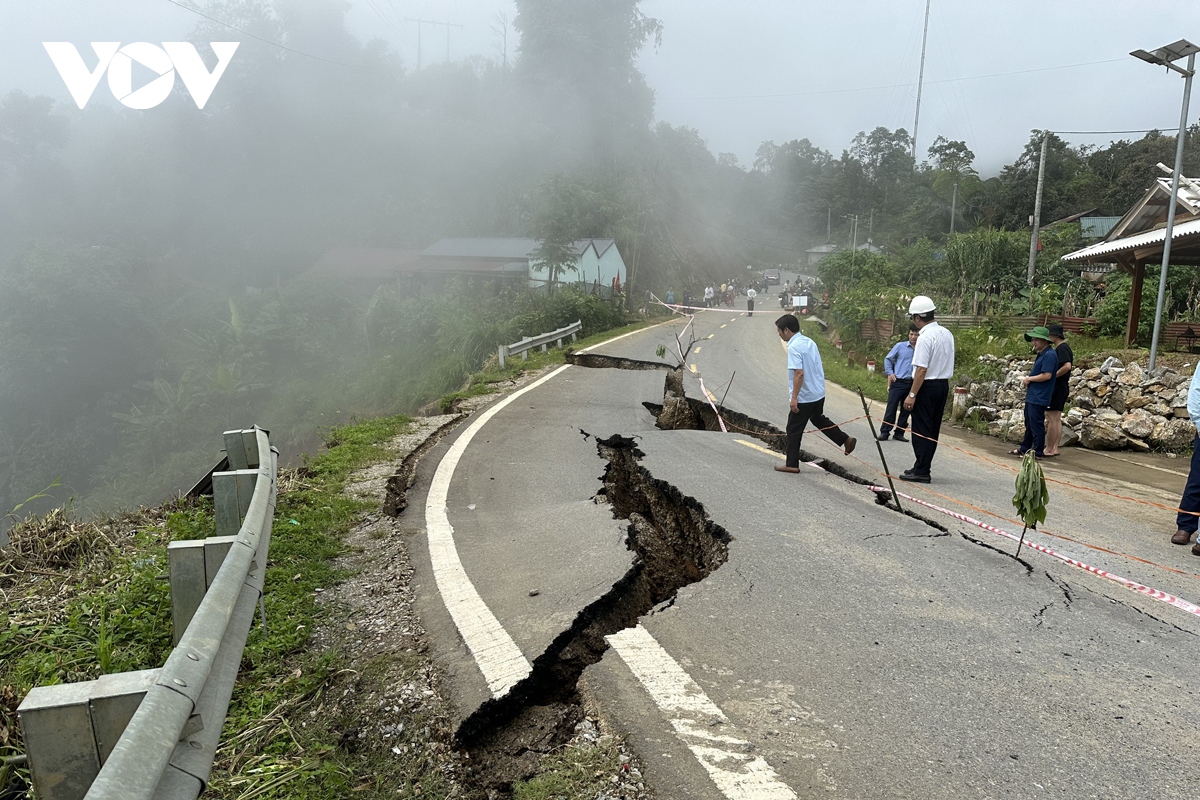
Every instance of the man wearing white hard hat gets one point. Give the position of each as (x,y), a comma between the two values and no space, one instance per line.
(933,367)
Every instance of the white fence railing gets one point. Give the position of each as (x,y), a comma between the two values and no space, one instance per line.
(529,342)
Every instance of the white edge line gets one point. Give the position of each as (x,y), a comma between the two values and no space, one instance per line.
(698,721)
(496,653)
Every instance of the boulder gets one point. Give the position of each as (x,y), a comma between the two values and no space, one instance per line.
(1181,413)
(1110,362)
(1171,378)
(1070,438)
(1116,400)
(1006,398)
(1015,433)
(1074,417)
(1096,434)
(1174,434)
(1159,409)
(1113,374)
(1132,375)
(1139,445)
(986,413)
(1103,390)
(1107,415)
(1138,424)
(1084,400)
(1139,401)
(1091,374)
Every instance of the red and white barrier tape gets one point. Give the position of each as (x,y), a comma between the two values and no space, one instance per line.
(1156,594)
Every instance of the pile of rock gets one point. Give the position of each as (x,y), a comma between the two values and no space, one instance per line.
(1111,407)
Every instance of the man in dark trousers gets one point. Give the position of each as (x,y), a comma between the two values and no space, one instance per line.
(1039,389)
(898,368)
(1189,504)
(933,367)
(1058,401)
(806,393)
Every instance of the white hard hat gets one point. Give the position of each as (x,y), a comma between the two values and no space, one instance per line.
(920,305)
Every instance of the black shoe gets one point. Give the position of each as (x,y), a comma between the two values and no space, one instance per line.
(883,437)
(899,438)
(912,477)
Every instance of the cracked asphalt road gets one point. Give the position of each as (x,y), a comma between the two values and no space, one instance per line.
(857,651)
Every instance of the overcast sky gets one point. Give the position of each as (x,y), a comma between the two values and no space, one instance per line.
(754,70)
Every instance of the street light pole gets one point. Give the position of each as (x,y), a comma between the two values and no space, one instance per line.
(1165,56)
(1037,214)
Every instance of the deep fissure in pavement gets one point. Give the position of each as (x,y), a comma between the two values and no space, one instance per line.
(675,543)
(395,497)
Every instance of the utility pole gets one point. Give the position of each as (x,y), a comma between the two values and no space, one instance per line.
(420,23)
(920,83)
(1165,57)
(853,241)
(953,205)
(829,225)
(1037,211)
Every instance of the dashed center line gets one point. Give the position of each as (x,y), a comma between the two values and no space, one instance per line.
(692,367)
(697,350)
(711,334)
(724,324)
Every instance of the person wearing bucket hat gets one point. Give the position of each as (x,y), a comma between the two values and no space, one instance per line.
(1039,390)
(1062,389)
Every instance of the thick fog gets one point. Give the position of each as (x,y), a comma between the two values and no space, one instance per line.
(158,267)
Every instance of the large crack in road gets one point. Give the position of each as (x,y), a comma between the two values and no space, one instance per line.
(675,545)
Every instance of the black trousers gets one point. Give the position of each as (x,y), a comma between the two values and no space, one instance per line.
(927,422)
(1191,493)
(750,307)
(1035,430)
(798,420)
(897,393)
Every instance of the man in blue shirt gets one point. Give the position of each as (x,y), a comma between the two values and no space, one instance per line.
(806,393)
(898,367)
(1039,391)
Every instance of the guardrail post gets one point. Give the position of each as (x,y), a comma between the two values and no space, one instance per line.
(193,566)
(503,352)
(71,729)
(231,498)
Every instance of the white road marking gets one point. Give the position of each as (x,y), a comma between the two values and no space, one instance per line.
(710,336)
(500,660)
(697,350)
(692,367)
(724,324)
(697,720)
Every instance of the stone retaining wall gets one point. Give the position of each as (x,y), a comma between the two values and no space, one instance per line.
(1111,407)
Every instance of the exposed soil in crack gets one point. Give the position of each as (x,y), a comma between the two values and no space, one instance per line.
(395,497)
(675,545)
(599,361)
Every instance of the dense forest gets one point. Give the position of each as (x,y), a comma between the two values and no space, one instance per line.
(153,285)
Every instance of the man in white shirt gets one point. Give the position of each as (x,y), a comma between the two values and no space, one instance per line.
(933,367)
(750,295)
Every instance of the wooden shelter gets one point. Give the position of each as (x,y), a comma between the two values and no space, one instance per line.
(1139,237)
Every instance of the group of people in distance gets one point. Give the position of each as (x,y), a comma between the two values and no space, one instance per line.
(919,383)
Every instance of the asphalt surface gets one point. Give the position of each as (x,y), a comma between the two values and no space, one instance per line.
(862,653)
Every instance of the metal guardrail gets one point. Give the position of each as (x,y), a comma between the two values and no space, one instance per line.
(529,342)
(154,733)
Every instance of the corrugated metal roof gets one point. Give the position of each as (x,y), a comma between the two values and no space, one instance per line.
(1135,242)
(1097,227)
(508,248)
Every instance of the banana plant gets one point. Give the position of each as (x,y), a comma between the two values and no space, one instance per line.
(1032,495)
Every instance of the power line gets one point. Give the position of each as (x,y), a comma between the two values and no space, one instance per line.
(261,39)
(1147,130)
(894,85)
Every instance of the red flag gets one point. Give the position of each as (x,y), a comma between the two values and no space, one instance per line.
(617,282)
